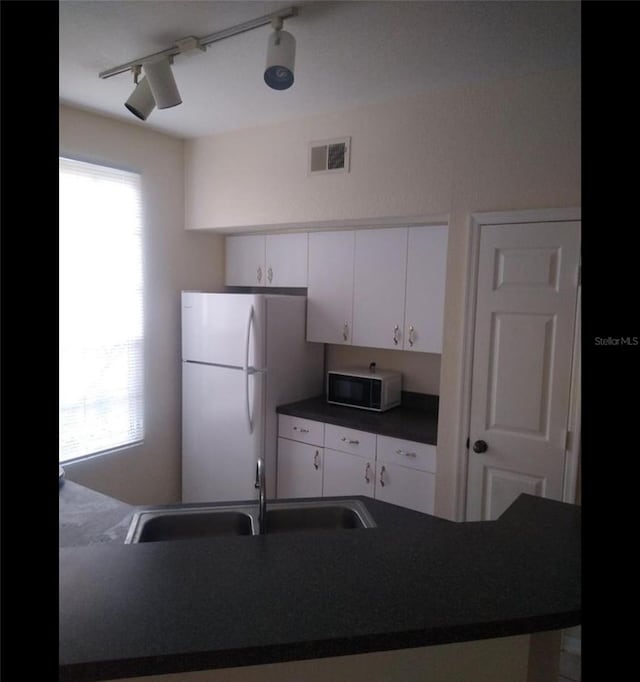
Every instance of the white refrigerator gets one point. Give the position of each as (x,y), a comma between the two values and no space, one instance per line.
(242,356)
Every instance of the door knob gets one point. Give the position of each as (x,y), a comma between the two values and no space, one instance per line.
(480,446)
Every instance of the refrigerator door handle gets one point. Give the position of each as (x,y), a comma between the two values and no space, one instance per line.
(248,370)
(247,339)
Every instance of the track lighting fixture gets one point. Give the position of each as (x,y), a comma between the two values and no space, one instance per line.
(281,55)
(162,83)
(141,102)
(158,86)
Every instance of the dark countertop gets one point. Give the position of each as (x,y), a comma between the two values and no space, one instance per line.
(415,580)
(416,419)
(87,516)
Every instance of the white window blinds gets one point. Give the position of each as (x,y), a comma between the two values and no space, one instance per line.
(101,309)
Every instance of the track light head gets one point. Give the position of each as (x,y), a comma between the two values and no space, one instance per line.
(141,102)
(281,55)
(163,85)
(158,87)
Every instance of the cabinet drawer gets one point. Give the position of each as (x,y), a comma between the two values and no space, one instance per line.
(350,440)
(407,453)
(303,430)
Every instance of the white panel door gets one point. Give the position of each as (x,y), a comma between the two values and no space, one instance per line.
(379,288)
(405,487)
(347,474)
(245,260)
(426,276)
(286,260)
(220,328)
(330,287)
(219,453)
(299,469)
(525,318)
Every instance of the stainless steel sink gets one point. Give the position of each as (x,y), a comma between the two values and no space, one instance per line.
(180,523)
(313,518)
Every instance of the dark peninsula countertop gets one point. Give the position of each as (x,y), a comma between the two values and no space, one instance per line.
(222,602)
(87,517)
(416,419)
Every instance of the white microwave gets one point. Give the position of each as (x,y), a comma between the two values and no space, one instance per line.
(376,390)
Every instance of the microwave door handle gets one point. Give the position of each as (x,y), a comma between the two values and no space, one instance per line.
(247,371)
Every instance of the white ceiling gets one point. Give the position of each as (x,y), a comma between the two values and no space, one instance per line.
(348,53)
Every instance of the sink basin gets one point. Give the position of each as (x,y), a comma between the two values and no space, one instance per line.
(312,518)
(151,526)
(180,523)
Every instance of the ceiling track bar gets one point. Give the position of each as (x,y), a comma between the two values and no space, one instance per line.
(206,40)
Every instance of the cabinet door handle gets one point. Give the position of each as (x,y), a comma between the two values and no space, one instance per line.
(367,469)
(411,333)
(270,275)
(316,460)
(345,331)
(344,439)
(406,454)
(301,429)
(259,274)
(396,334)
(381,475)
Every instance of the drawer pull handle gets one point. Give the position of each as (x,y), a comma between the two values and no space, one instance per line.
(316,460)
(367,469)
(301,429)
(406,454)
(381,475)
(344,439)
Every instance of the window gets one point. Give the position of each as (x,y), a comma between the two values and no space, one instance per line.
(101,403)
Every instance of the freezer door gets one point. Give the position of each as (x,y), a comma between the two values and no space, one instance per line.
(222,433)
(223,329)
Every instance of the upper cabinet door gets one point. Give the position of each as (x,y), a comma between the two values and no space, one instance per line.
(245,260)
(286,260)
(426,275)
(379,288)
(330,287)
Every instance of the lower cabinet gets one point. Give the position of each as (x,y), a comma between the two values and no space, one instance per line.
(317,459)
(405,487)
(300,469)
(346,474)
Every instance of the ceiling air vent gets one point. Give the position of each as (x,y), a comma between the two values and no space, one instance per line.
(329,156)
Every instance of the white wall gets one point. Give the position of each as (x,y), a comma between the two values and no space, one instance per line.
(173,260)
(420,371)
(510,144)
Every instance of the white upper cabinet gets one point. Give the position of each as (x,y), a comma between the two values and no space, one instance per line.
(330,287)
(245,256)
(273,260)
(379,288)
(286,260)
(426,274)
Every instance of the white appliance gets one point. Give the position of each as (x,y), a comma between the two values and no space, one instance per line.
(373,389)
(242,356)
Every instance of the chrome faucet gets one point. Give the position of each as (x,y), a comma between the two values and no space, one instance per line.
(260,484)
